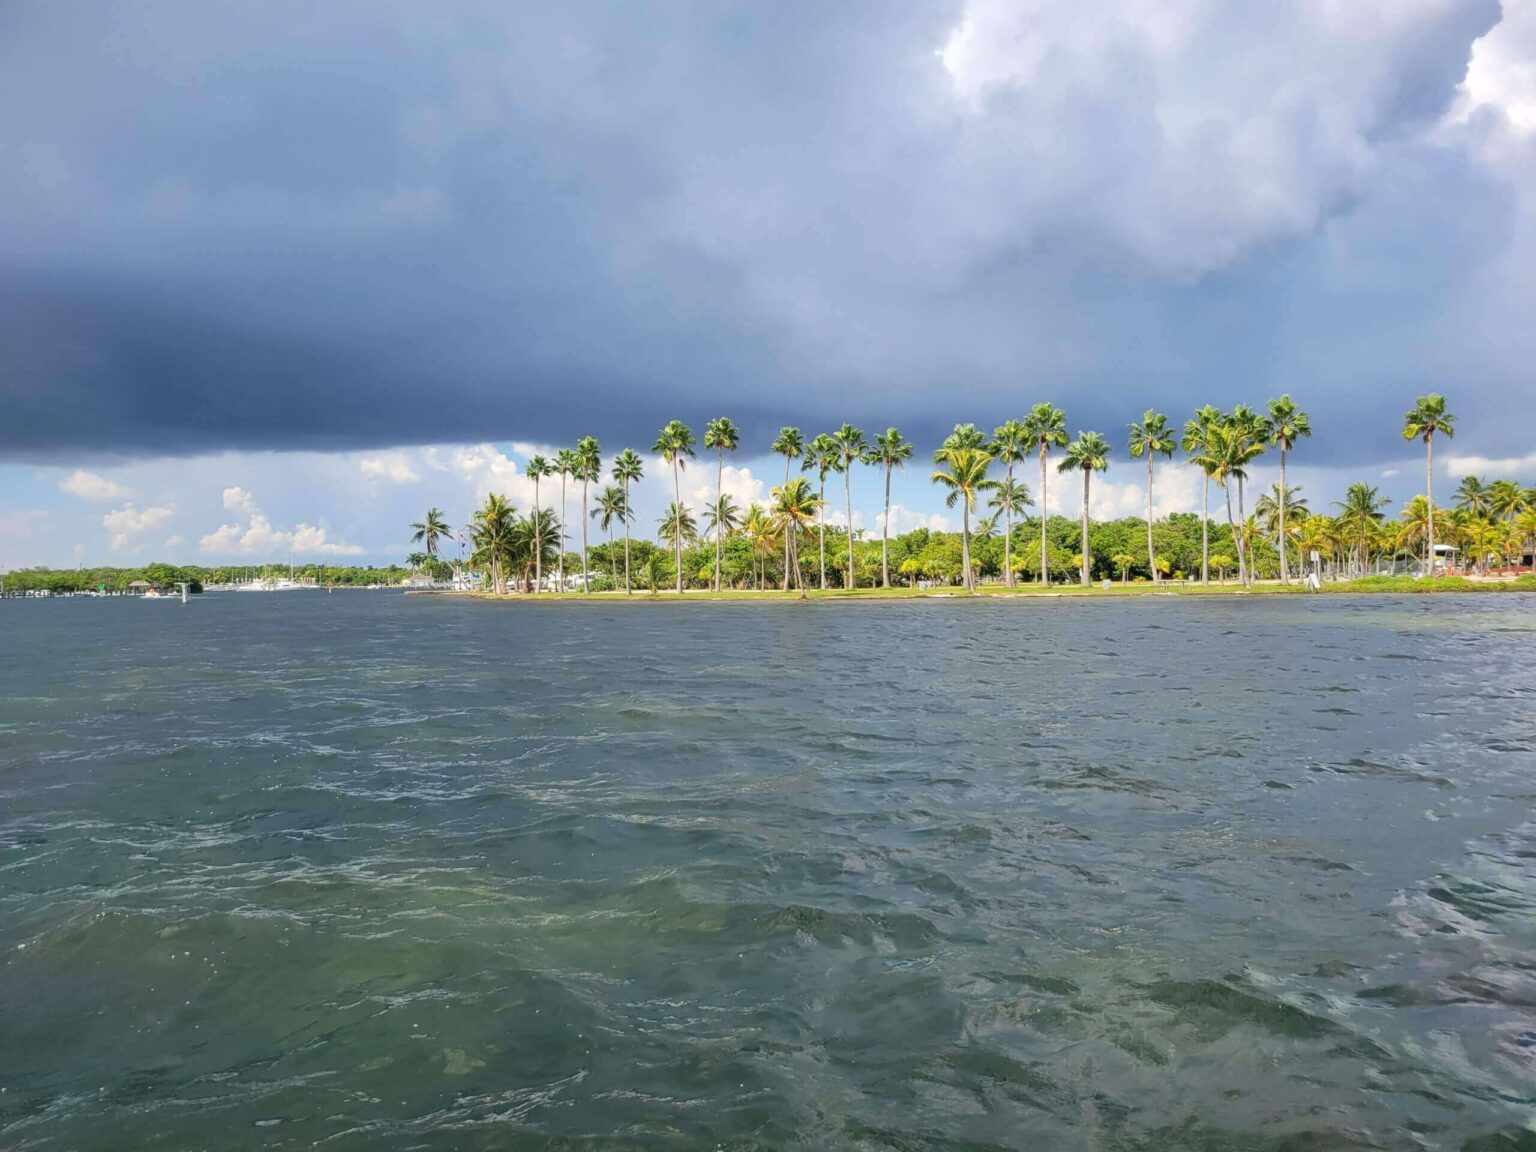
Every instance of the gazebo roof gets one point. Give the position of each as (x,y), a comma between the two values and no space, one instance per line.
(140,584)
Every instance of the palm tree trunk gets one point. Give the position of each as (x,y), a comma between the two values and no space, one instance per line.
(538,549)
(1151,556)
(1429,494)
(1008,531)
(1243,567)
(562,531)
(1044,514)
(786,535)
(613,556)
(821,530)
(586,584)
(1205,531)
(627,590)
(719,526)
(965,541)
(848,504)
(1227,488)
(677,523)
(1083,571)
(885,533)
(1285,567)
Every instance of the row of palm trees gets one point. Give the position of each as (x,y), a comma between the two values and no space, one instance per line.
(1223,445)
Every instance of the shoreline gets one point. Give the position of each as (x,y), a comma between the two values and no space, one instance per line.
(1366,586)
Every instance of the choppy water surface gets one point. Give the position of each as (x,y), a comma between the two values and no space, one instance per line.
(375,871)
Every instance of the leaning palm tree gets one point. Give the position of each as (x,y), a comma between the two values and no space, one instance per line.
(675,443)
(1088,454)
(721,518)
(628,467)
(966,478)
(612,507)
(821,454)
(567,463)
(589,468)
(1285,425)
(1010,498)
(1151,437)
(1197,443)
(1011,442)
(723,436)
(1427,417)
(794,507)
(891,450)
(851,446)
(431,529)
(538,468)
(789,443)
(1047,426)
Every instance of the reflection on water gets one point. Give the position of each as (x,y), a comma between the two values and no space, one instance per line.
(390,872)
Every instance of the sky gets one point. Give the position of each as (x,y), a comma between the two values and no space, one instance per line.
(279,277)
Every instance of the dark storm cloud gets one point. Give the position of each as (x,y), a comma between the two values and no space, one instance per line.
(355,224)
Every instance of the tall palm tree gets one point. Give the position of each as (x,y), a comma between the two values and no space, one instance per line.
(539,534)
(494,524)
(1285,425)
(1233,448)
(538,468)
(789,443)
(851,446)
(1088,454)
(628,467)
(589,468)
(821,454)
(1197,444)
(1047,427)
(1011,442)
(1151,437)
(431,529)
(675,443)
(1472,495)
(612,505)
(1427,417)
(1010,498)
(723,436)
(1250,429)
(966,478)
(567,464)
(891,450)
(794,507)
(722,518)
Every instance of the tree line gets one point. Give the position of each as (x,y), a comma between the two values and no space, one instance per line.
(771,543)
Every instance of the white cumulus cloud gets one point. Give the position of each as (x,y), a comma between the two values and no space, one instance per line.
(90,486)
(258,537)
(127,524)
(391,466)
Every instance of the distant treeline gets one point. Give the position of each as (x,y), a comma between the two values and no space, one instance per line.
(166,575)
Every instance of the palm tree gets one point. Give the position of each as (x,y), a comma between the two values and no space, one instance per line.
(794,507)
(821,454)
(1011,442)
(1472,496)
(966,478)
(677,526)
(1088,454)
(1047,426)
(1360,513)
(1151,437)
(567,464)
(1506,499)
(1010,498)
(1249,429)
(1123,561)
(538,468)
(1232,449)
(675,443)
(540,533)
(612,505)
(723,436)
(851,446)
(892,450)
(1281,516)
(1525,525)
(492,539)
(1427,417)
(789,443)
(758,529)
(628,467)
(722,518)
(589,468)
(431,529)
(1199,439)
(1286,424)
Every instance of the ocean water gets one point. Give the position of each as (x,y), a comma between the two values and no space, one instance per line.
(372,871)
